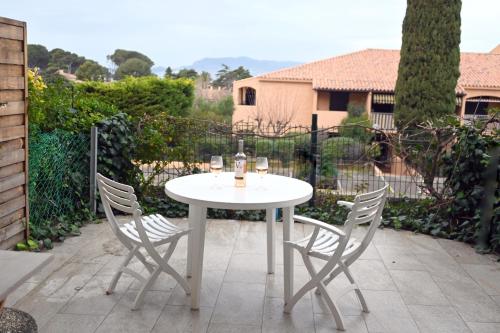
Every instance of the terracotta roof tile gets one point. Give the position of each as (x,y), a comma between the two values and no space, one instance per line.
(376,70)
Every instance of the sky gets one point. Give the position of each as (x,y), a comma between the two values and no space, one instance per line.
(177,33)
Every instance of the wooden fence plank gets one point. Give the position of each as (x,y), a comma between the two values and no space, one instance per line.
(11,57)
(10,243)
(10,108)
(12,120)
(12,205)
(12,45)
(11,218)
(12,169)
(11,82)
(11,32)
(11,70)
(7,183)
(11,96)
(12,22)
(11,230)
(11,145)
(11,194)
(11,133)
(12,157)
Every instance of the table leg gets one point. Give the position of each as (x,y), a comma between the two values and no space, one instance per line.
(288,252)
(271,239)
(196,244)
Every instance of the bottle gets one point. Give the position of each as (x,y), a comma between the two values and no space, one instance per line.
(240,166)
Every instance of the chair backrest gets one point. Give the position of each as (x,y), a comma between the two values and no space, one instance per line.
(367,208)
(118,196)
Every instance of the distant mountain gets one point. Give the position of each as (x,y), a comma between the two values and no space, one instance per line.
(256,67)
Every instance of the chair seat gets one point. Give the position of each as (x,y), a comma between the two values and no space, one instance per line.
(325,245)
(158,229)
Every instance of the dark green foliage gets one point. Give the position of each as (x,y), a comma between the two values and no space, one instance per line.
(186,73)
(116,149)
(429,65)
(38,56)
(133,67)
(91,71)
(226,76)
(120,56)
(61,59)
(143,98)
(464,167)
(220,111)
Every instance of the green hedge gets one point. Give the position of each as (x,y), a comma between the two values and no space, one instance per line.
(145,96)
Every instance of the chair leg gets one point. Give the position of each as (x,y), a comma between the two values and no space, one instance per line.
(361,298)
(170,270)
(145,287)
(329,279)
(339,321)
(119,272)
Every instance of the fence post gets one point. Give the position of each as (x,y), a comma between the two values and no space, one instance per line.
(313,156)
(93,168)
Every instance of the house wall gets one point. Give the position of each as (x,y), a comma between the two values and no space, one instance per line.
(275,100)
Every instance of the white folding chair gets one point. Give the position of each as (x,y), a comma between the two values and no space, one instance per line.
(146,232)
(337,248)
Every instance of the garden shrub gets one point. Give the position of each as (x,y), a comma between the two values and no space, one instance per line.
(264,147)
(143,98)
(285,149)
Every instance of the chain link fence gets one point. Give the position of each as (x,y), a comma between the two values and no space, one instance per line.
(58,174)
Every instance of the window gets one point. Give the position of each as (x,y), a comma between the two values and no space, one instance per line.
(247,96)
(477,108)
(339,100)
(383,108)
(383,103)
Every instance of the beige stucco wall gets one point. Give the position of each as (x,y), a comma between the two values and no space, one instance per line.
(471,93)
(276,100)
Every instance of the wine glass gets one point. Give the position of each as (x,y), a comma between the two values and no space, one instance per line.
(216,164)
(261,166)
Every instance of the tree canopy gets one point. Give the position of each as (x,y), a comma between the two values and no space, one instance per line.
(226,76)
(120,56)
(91,71)
(65,60)
(38,56)
(429,65)
(133,67)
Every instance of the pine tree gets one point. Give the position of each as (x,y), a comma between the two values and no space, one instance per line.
(429,64)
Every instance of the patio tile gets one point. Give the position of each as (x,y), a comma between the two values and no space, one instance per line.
(164,282)
(229,328)
(20,292)
(275,282)
(372,274)
(123,319)
(251,242)
(471,302)
(418,288)
(496,299)
(210,287)
(425,244)
(41,308)
(390,237)
(301,318)
(396,257)
(443,266)
(487,276)
(183,319)
(66,281)
(92,299)
(325,323)
(63,323)
(388,313)
(245,267)
(240,303)
(484,327)
(437,319)
(464,253)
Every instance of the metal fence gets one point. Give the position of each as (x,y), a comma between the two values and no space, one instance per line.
(58,175)
(343,160)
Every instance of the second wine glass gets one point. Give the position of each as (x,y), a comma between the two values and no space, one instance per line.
(261,167)
(216,165)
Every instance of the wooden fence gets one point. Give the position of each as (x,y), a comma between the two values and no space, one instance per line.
(13,133)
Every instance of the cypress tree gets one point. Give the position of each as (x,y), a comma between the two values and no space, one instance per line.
(429,64)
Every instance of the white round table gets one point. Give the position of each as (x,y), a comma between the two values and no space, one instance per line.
(202,191)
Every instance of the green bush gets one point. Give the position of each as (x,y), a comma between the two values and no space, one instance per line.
(356,127)
(145,97)
(264,147)
(285,149)
(220,111)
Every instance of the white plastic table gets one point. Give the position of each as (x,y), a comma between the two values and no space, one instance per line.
(201,191)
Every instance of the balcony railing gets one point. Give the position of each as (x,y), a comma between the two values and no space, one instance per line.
(382,121)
